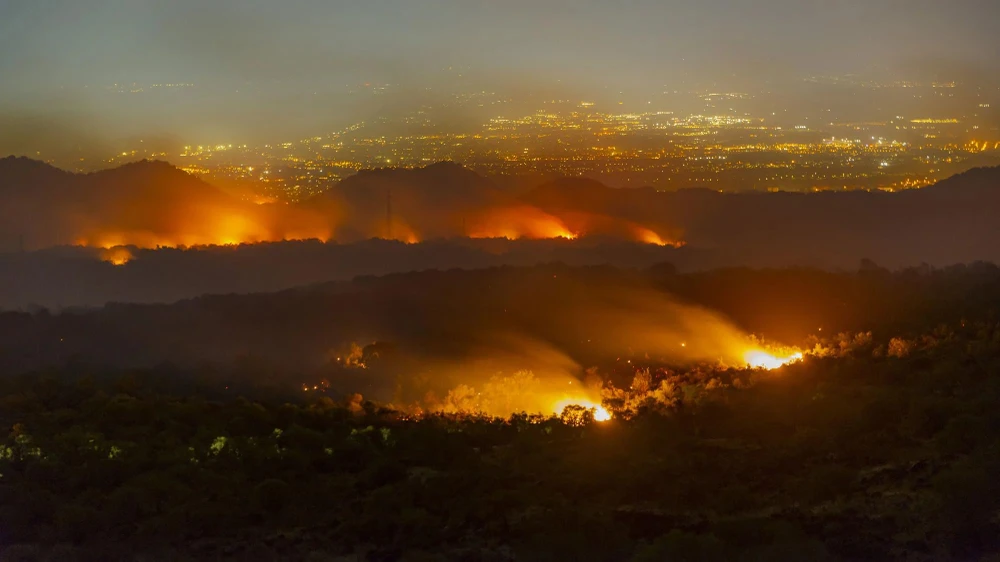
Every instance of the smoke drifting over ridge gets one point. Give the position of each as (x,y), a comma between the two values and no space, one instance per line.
(522,339)
(418,336)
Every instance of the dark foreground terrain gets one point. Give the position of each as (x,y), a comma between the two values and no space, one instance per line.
(856,456)
(880,445)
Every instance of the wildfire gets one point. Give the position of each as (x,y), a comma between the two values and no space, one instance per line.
(268,223)
(649,237)
(601,414)
(593,224)
(119,255)
(232,230)
(233,234)
(759,359)
(404,233)
(520,222)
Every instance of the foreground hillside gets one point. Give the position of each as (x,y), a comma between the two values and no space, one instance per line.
(857,455)
(586,314)
(199,431)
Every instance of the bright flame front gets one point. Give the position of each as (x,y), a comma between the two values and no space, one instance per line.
(519,222)
(759,359)
(601,414)
(118,255)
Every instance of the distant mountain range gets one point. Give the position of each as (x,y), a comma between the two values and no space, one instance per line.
(952,221)
(152,203)
(440,200)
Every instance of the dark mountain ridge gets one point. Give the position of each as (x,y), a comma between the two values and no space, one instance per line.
(953,221)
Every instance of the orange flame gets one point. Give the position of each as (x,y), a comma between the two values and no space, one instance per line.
(117,256)
(224,229)
(759,359)
(648,236)
(404,233)
(601,414)
(520,222)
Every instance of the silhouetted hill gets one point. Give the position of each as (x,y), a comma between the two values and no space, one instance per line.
(27,178)
(587,192)
(152,179)
(425,202)
(949,222)
(589,206)
(31,196)
(146,203)
(445,182)
(19,172)
(976,180)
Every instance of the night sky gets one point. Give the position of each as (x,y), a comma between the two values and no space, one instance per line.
(264,60)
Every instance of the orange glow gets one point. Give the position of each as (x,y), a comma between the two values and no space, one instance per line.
(759,359)
(119,255)
(148,240)
(601,414)
(586,224)
(177,212)
(208,225)
(224,229)
(520,222)
(648,236)
(232,230)
(404,233)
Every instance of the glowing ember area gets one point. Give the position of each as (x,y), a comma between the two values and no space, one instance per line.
(233,233)
(646,235)
(119,255)
(402,232)
(189,222)
(226,228)
(649,237)
(520,222)
(759,359)
(592,224)
(601,414)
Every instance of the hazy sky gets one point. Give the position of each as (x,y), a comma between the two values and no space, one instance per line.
(281,55)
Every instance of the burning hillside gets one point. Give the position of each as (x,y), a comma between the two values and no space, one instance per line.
(152,204)
(759,359)
(574,400)
(143,205)
(565,391)
(514,222)
(540,340)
